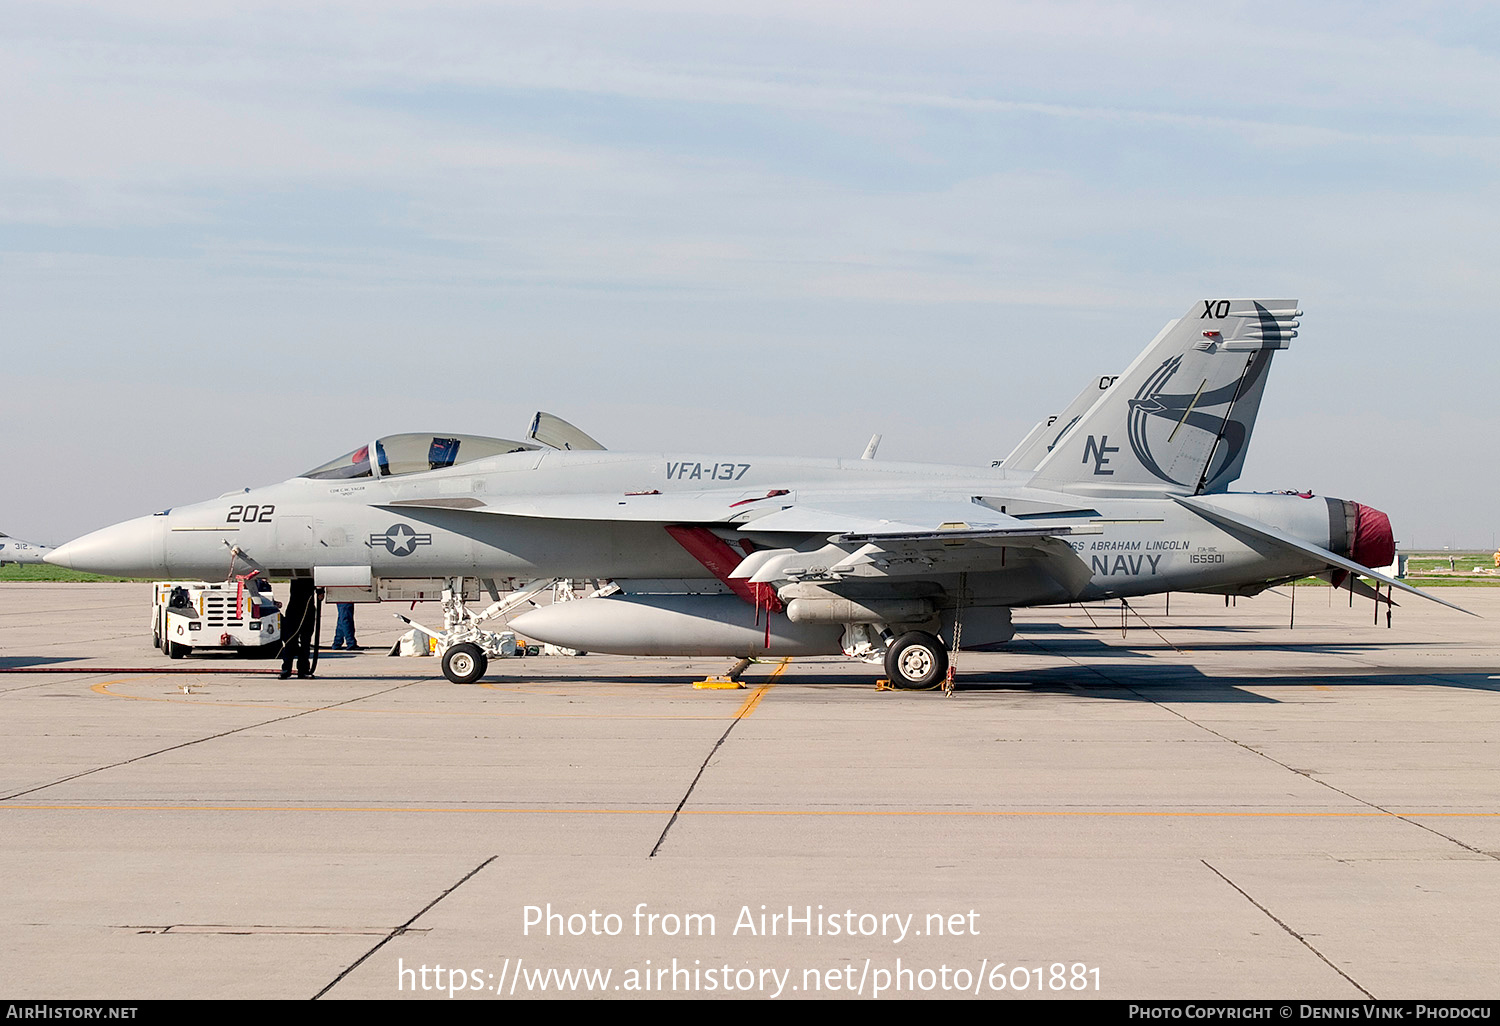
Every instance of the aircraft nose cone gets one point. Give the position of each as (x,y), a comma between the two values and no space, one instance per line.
(1373,545)
(129,549)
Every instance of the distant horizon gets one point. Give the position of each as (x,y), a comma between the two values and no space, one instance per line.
(237,243)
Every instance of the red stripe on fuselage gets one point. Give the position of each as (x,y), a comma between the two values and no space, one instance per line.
(720,559)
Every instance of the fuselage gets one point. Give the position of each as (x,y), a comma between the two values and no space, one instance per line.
(596,514)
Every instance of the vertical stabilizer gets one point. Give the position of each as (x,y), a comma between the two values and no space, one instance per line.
(1045,436)
(1179,419)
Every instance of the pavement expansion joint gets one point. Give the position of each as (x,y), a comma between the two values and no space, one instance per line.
(747,708)
(196,741)
(1293,933)
(241,930)
(405,927)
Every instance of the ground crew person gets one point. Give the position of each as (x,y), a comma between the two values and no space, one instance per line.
(343,637)
(298,622)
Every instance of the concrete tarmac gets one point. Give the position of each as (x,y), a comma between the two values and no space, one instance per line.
(1210,806)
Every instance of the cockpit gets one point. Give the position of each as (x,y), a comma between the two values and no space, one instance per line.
(396,455)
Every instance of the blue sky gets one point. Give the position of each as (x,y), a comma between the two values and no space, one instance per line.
(741,231)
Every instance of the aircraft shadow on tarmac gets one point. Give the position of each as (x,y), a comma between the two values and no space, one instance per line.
(1142,644)
(1114,680)
(1111,681)
(1183,684)
(1188,684)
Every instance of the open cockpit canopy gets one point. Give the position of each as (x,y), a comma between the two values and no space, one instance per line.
(414,453)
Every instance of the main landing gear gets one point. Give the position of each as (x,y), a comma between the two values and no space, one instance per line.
(916,661)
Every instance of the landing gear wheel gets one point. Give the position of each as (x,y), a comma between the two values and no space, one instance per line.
(464,664)
(916,661)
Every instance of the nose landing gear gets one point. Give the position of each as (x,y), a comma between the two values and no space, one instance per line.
(465,648)
(464,664)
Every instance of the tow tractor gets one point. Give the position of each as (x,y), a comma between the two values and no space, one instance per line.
(237,614)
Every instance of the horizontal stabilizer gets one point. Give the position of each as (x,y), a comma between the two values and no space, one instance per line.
(1234,522)
(1344,581)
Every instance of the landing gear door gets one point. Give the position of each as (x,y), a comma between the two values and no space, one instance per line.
(346,583)
(293,543)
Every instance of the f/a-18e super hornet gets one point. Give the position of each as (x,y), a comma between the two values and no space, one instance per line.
(744,556)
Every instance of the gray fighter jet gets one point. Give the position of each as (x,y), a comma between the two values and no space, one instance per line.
(14,550)
(741,556)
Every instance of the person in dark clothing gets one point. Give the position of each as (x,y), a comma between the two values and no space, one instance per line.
(298,622)
(343,637)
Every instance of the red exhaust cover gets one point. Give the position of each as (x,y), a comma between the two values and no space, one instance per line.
(1374,546)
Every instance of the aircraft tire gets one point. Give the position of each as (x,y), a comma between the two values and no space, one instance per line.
(916,661)
(464,664)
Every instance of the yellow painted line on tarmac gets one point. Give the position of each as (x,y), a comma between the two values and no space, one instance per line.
(1071,813)
(908,813)
(317,808)
(755,696)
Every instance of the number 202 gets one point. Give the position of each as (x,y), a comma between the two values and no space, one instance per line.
(251,514)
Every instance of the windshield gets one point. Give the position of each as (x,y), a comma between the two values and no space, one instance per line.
(351,464)
(414,453)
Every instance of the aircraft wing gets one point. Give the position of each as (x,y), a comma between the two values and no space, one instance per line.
(778,512)
(649,506)
(876,515)
(907,556)
(870,539)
